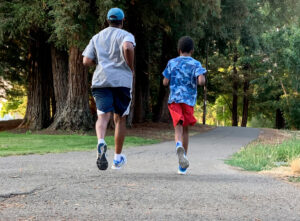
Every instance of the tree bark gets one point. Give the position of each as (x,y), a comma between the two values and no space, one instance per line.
(234,117)
(40,84)
(160,110)
(140,99)
(60,81)
(245,101)
(205,88)
(76,114)
(279,124)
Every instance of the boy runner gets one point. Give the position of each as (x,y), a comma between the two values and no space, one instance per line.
(112,51)
(183,74)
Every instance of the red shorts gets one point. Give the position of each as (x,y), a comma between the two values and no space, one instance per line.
(182,112)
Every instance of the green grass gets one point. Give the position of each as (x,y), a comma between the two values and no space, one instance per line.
(294,179)
(20,144)
(259,157)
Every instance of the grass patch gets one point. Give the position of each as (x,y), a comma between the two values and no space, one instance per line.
(294,179)
(21,144)
(257,157)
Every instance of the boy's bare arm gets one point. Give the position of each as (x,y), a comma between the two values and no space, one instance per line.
(166,82)
(128,50)
(201,80)
(88,62)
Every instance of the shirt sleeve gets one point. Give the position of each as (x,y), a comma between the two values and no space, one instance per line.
(130,38)
(199,69)
(90,50)
(166,73)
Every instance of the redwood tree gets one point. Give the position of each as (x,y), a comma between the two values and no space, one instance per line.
(72,29)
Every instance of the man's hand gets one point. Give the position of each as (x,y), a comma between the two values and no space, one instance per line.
(201,80)
(166,82)
(88,62)
(128,51)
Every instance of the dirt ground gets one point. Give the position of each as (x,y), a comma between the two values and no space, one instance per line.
(9,124)
(160,131)
(272,136)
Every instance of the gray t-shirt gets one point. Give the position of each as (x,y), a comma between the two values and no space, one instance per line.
(105,48)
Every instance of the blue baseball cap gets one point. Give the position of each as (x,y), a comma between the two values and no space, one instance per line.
(115,14)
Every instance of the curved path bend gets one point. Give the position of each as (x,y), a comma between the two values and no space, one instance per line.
(69,186)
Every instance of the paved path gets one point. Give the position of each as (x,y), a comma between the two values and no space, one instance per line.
(70,187)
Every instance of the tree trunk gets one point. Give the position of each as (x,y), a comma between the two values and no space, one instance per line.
(60,80)
(205,88)
(40,84)
(279,119)
(141,100)
(245,101)
(160,110)
(234,117)
(76,114)
(140,91)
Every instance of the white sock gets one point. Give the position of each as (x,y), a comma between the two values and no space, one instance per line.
(101,141)
(117,157)
(179,144)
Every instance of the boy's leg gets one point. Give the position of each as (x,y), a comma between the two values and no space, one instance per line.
(185,139)
(178,132)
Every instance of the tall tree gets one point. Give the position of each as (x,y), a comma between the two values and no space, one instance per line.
(26,20)
(73,25)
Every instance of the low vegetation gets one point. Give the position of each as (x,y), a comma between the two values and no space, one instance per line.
(27,143)
(257,156)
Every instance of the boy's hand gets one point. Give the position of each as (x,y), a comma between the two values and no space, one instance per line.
(166,82)
(201,80)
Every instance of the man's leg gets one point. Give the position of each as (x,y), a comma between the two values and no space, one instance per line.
(101,125)
(120,131)
(185,139)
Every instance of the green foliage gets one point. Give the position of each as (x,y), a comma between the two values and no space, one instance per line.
(259,157)
(72,23)
(15,103)
(20,144)
(19,16)
(263,35)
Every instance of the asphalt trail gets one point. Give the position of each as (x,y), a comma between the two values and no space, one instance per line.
(70,187)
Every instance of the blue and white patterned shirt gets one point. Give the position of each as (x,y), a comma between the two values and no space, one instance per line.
(182,73)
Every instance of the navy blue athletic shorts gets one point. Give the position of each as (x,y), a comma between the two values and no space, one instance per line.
(112,99)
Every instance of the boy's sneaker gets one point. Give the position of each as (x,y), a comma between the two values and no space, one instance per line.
(119,164)
(101,159)
(183,161)
(181,171)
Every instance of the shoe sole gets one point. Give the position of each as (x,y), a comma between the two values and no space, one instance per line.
(183,162)
(102,162)
(181,173)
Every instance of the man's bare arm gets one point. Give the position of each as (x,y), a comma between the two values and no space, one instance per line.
(166,82)
(201,80)
(128,50)
(88,62)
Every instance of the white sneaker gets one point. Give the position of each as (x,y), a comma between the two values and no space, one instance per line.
(119,164)
(182,159)
(182,171)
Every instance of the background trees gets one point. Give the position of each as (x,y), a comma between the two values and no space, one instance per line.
(251,49)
